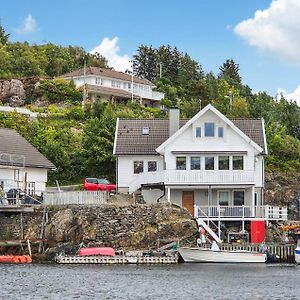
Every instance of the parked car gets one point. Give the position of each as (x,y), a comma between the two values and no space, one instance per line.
(98,184)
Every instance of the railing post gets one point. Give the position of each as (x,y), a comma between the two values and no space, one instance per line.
(243,212)
(267,214)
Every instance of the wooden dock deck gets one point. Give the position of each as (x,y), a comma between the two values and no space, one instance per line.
(119,259)
(17,208)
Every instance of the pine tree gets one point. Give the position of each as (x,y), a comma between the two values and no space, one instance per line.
(145,63)
(230,71)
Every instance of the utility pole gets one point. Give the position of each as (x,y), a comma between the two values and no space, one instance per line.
(84,87)
(230,97)
(160,70)
(132,81)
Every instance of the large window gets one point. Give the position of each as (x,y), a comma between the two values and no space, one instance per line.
(152,166)
(195,163)
(209,163)
(224,198)
(237,162)
(198,131)
(223,162)
(209,129)
(138,166)
(180,163)
(238,198)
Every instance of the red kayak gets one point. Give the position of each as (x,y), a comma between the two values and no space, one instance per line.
(15,259)
(102,251)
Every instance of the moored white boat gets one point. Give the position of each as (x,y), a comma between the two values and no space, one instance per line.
(199,254)
(297,252)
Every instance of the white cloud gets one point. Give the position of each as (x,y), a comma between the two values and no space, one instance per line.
(275,29)
(293,96)
(29,25)
(110,50)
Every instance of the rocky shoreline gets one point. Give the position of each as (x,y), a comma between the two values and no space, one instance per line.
(128,227)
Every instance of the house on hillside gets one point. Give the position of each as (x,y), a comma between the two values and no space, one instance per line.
(118,87)
(212,166)
(22,165)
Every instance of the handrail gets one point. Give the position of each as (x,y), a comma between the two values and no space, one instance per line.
(193,177)
(242,212)
(198,207)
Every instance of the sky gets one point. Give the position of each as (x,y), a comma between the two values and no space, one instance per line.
(262,36)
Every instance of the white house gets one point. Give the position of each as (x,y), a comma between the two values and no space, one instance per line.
(22,165)
(110,85)
(209,164)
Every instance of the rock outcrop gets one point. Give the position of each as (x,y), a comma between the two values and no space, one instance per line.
(12,92)
(282,190)
(127,227)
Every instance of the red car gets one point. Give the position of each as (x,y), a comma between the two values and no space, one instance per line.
(96,184)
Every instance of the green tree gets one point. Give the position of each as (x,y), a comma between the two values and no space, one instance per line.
(230,71)
(145,63)
(3,35)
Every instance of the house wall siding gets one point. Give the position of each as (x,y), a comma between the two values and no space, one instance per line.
(125,168)
(36,175)
(201,196)
(230,142)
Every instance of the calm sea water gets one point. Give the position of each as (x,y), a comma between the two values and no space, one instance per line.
(183,281)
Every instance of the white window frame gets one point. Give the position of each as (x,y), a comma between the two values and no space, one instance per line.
(229,199)
(238,190)
(31,188)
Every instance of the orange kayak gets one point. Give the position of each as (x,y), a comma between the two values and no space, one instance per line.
(15,259)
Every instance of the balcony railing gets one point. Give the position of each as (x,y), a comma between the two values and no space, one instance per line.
(193,177)
(209,177)
(241,212)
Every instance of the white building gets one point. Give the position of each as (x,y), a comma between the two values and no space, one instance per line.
(22,165)
(209,164)
(118,87)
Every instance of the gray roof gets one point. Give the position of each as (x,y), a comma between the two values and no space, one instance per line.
(106,73)
(130,139)
(17,151)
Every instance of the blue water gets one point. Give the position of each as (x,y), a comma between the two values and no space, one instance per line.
(182,281)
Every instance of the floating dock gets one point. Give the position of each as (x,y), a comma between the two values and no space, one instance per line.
(119,259)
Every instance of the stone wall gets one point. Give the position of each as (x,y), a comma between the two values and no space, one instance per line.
(128,227)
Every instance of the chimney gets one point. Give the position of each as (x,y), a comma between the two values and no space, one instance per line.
(173,120)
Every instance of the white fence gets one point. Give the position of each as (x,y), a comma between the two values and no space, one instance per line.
(76,198)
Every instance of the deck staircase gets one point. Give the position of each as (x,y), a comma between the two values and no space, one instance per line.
(202,223)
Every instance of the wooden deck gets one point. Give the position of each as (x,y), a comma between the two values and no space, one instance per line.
(17,208)
(119,259)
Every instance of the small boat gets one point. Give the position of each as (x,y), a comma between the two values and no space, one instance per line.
(97,251)
(15,259)
(215,255)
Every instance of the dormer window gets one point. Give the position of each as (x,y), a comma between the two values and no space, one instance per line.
(198,132)
(209,129)
(145,130)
